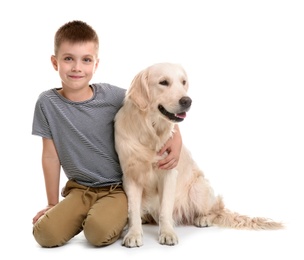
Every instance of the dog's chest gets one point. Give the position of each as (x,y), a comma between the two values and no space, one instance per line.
(151,186)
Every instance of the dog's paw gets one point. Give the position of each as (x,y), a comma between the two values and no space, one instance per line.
(133,240)
(202,221)
(167,238)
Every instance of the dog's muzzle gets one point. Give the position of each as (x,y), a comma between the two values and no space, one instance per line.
(185,104)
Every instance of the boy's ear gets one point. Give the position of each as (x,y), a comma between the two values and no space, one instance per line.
(54,62)
(96,65)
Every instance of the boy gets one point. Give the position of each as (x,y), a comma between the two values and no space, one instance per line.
(76,126)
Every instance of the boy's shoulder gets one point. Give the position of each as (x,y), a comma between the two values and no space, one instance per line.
(46,94)
(107,86)
(108,91)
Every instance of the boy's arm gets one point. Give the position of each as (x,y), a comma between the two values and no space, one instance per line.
(173,148)
(51,171)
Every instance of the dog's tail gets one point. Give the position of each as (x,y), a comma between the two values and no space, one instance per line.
(223,217)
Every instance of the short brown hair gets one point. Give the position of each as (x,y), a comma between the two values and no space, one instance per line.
(74,32)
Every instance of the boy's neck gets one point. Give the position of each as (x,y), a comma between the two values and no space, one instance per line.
(78,95)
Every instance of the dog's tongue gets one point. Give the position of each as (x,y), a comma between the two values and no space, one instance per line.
(181,115)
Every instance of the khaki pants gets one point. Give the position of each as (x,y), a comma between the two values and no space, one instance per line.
(100,212)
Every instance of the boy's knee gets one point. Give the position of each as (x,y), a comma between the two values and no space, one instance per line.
(45,237)
(102,234)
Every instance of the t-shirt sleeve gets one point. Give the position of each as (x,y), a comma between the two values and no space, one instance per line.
(40,125)
(120,95)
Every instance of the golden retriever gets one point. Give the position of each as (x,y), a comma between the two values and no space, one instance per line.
(156,100)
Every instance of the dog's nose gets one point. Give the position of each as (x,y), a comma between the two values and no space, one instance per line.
(185,102)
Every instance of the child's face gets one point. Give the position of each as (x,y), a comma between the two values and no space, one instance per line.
(76,64)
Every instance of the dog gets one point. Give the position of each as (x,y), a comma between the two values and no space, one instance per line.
(157,100)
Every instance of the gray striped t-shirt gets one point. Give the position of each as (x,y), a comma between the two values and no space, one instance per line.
(83,133)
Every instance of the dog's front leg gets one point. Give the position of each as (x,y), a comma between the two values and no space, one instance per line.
(134,236)
(167,235)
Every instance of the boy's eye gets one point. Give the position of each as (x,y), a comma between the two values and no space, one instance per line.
(68,58)
(87,59)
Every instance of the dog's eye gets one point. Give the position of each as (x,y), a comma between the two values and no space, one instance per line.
(164,83)
(184,82)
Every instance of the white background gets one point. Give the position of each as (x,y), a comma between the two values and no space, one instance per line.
(245,62)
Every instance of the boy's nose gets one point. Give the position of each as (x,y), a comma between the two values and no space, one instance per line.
(76,66)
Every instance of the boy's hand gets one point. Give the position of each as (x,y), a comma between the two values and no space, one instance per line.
(41,213)
(173,148)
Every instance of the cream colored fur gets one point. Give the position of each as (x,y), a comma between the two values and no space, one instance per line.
(180,196)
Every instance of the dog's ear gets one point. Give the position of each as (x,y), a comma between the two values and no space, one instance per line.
(139,90)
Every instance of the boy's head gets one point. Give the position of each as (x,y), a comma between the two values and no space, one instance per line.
(75,32)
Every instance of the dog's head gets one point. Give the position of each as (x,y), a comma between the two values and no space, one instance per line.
(162,89)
